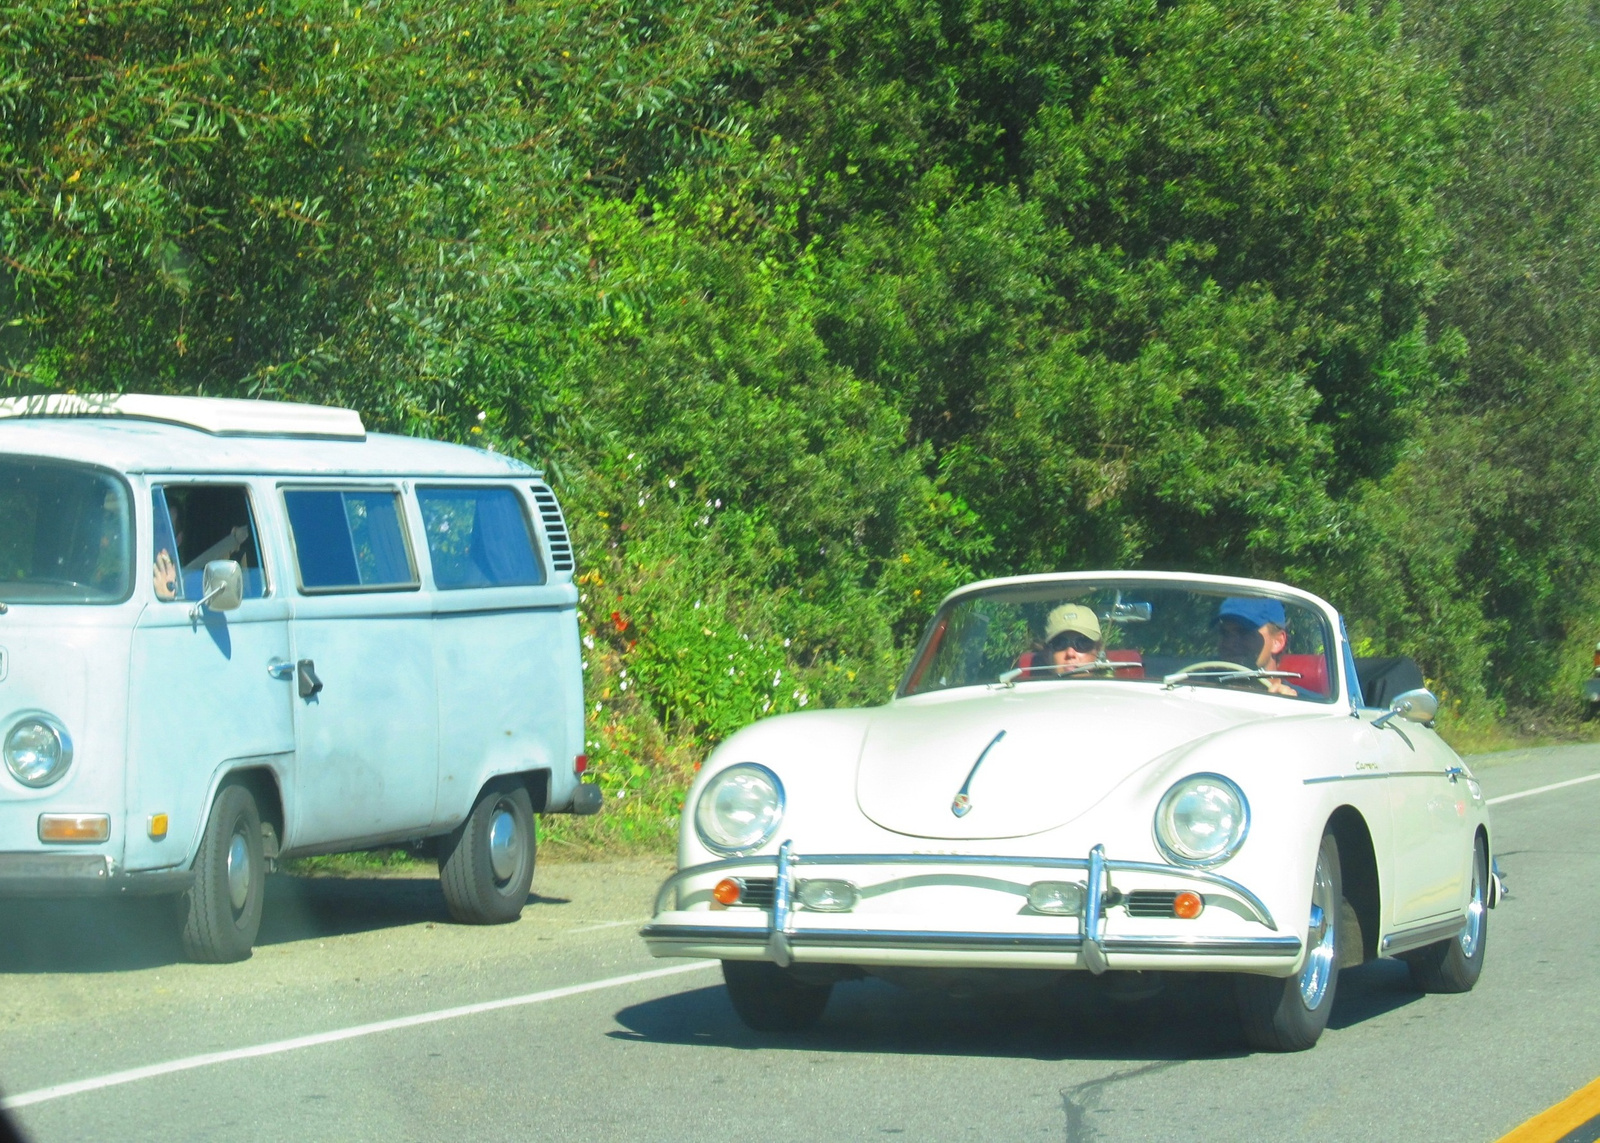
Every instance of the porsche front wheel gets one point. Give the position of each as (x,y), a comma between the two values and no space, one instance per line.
(772,999)
(1288,1014)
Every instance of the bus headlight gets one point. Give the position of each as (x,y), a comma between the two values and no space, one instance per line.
(38,751)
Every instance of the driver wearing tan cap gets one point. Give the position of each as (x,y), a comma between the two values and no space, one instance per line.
(1072,637)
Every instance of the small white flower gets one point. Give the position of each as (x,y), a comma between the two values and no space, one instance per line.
(697,605)
(672,483)
(719,504)
(804,699)
(482,416)
(786,642)
(588,641)
(730,670)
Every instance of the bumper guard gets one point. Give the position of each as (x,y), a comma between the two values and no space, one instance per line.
(1090,940)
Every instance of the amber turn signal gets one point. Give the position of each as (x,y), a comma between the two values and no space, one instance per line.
(728,891)
(1187,906)
(74,827)
(158,826)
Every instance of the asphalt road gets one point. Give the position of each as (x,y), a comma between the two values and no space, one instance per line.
(90,996)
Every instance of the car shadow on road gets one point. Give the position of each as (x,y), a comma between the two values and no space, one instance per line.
(126,934)
(1192,1018)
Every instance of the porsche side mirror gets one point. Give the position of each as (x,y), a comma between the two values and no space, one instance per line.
(1413,706)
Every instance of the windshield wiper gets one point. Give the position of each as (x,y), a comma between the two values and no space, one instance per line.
(1053,671)
(1225,674)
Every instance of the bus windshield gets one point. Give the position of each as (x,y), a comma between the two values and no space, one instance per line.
(66,533)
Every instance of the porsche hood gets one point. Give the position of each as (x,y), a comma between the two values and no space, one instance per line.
(1026,761)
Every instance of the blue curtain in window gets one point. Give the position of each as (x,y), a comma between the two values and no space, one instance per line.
(501,546)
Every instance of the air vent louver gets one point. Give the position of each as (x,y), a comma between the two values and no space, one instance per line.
(555,529)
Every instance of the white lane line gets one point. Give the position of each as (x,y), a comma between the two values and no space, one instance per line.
(1544,789)
(606,925)
(78,1087)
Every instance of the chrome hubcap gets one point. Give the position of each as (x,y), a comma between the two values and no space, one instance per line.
(505,844)
(1321,938)
(238,871)
(1472,931)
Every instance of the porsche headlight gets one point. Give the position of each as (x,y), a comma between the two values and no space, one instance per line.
(38,751)
(740,809)
(1202,820)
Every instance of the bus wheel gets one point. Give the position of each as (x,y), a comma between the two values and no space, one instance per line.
(222,909)
(486,863)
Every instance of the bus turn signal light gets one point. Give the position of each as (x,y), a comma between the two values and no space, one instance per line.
(1187,905)
(74,827)
(728,891)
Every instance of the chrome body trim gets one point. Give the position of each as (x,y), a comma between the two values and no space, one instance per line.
(754,937)
(1365,775)
(1205,877)
(962,804)
(1425,935)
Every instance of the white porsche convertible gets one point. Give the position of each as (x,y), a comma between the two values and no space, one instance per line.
(1114,771)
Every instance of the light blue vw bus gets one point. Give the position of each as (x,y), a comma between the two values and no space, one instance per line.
(234,631)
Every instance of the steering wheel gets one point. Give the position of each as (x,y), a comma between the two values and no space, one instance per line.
(1217,664)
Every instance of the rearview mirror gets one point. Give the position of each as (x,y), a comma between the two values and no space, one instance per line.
(1413,706)
(1129,612)
(222,585)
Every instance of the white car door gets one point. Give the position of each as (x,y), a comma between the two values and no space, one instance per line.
(1428,806)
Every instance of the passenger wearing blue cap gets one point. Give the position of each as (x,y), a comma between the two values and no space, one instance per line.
(1254,632)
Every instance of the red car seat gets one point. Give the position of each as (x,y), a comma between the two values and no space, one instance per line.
(1312,669)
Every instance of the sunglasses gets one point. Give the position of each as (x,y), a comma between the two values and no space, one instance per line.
(1074,640)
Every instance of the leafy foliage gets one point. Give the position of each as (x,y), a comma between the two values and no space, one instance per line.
(814,311)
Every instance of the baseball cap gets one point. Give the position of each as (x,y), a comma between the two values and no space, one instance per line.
(1255,612)
(1072,617)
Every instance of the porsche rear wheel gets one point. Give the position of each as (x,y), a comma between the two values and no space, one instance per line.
(1454,965)
(772,999)
(1288,1014)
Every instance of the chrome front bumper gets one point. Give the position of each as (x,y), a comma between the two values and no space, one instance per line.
(780,937)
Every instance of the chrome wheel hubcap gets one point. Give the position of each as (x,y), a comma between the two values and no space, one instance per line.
(505,844)
(1322,939)
(1472,931)
(238,871)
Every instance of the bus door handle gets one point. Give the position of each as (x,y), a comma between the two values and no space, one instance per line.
(280,670)
(309,683)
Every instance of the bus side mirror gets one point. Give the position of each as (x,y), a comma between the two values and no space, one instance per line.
(221,587)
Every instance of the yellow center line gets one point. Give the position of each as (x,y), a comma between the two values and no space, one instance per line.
(1565,1117)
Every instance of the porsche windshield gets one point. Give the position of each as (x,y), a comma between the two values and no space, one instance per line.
(66,534)
(1161,634)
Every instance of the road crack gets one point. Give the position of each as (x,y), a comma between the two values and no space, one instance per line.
(1077,1101)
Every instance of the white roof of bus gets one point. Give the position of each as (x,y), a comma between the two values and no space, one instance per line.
(156,434)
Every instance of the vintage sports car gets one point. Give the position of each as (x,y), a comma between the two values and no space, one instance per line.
(1109,772)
